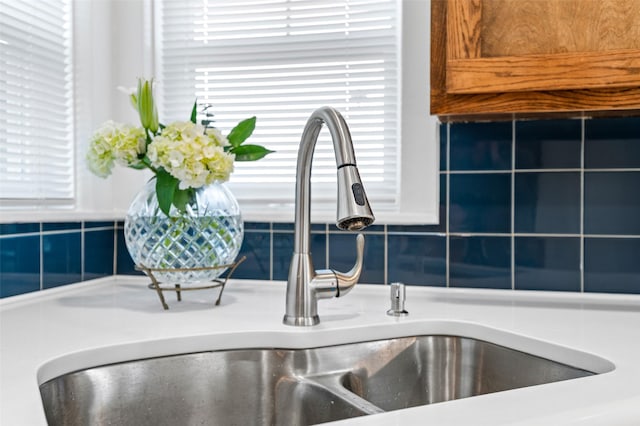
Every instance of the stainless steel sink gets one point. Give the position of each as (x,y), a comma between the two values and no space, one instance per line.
(431,369)
(293,387)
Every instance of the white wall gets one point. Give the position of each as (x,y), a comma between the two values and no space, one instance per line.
(110,52)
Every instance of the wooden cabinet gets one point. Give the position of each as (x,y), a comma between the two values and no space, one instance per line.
(534,56)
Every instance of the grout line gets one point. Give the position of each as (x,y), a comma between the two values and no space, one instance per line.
(479,172)
(56,232)
(103,228)
(115,247)
(513,205)
(339,232)
(528,234)
(447,260)
(26,234)
(609,170)
(581,264)
(550,170)
(611,236)
(271,251)
(386,256)
(41,255)
(575,169)
(326,246)
(418,233)
(82,255)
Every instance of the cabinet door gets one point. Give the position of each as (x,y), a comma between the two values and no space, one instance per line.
(519,56)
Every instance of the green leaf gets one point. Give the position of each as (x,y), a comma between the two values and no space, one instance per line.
(134,101)
(146,105)
(138,166)
(194,112)
(242,131)
(144,97)
(145,160)
(166,186)
(250,152)
(181,197)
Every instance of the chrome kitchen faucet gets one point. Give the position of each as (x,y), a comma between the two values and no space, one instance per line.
(306,285)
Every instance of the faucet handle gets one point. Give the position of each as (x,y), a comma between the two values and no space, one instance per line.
(346,280)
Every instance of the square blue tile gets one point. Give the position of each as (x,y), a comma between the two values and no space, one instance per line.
(611,265)
(547,263)
(480,262)
(19,228)
(288,226)
(612,203)
(548,144)
(480,146)
(256,246)
(417,259)
(342,255)
(283,250)
(124,262)
(480,202)
(262,226)
(547,203)
(62,259)
(282,226)
(98,254)
(100,224)
(319,228)
(379,229)
(442,133)
(612,143)
(61,226)
(19,265)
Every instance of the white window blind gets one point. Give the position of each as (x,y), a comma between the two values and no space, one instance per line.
(279,60)
(36,114)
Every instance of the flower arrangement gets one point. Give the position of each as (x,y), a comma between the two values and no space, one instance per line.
(183,155)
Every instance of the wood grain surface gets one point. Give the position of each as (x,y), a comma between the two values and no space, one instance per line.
(522,27)
(566,70)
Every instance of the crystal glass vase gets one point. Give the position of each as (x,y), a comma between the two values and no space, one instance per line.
(209,234)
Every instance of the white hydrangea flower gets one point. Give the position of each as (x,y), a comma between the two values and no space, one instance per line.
(190,155)
(115,143)
(217,137)
(100,157)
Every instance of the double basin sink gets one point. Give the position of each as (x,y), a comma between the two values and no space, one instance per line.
(294,386)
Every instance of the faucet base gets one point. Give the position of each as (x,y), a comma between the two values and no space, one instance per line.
(301,321)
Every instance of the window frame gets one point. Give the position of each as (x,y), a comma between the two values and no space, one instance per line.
(418,180)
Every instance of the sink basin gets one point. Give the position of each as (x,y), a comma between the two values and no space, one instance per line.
(293,386)
(404,373)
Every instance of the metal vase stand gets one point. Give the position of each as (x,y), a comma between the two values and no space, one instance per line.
(160,288)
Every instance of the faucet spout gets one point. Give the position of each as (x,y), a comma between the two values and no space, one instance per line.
(305,285)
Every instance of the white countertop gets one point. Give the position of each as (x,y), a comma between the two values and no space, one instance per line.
(46,334)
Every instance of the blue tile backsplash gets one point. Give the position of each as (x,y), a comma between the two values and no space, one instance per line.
(524,205)
(37,256)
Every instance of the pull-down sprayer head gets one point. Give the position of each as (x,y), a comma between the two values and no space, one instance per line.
(354,212)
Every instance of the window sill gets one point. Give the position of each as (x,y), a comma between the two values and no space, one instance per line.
(265,215)
(30,216)
(282,215)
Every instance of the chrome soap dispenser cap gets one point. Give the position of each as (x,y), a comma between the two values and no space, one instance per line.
(398,296)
